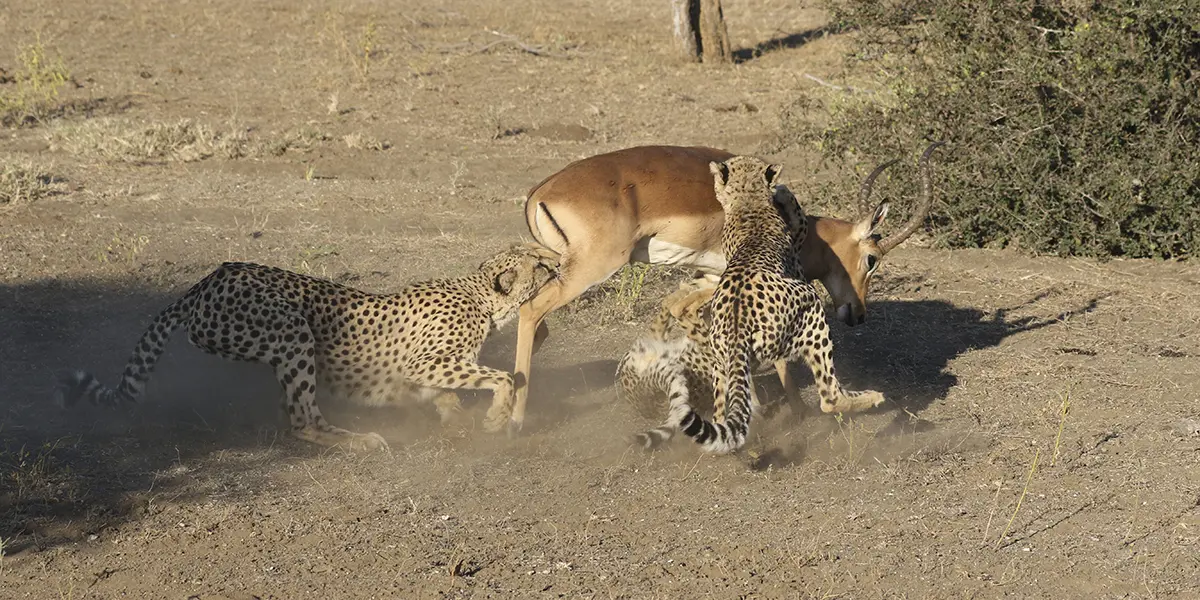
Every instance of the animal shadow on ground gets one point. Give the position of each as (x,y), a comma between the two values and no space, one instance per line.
(65,473)
(792,40)
(905,348)
(904,351)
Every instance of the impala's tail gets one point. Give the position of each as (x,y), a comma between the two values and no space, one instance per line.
(544,227)
(81,385)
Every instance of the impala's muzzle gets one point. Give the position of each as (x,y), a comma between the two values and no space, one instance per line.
(847,314)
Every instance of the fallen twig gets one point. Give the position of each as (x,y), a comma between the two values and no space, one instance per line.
(504,39)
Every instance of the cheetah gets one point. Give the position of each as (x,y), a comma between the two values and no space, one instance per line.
(669,361)
(371,348)
(763,310)
(674,360)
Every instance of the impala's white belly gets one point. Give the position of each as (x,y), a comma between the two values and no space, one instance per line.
(657,252)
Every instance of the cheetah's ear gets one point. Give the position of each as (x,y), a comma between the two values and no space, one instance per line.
(720,172)
(773,174)
(503,283)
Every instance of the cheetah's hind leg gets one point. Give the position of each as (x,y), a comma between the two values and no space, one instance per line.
(658,373)
(298,378)
(817,353)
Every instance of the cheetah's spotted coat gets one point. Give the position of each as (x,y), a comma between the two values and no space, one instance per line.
(372,348)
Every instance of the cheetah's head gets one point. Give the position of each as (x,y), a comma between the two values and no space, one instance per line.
(741,178)
(515,275)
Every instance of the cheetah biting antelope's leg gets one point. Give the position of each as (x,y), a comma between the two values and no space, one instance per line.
(355,342)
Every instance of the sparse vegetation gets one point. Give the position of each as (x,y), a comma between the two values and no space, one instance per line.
(22,182)
(1072,127)
(307,258)
(360,141)
(35,86)
(624,289)
(368,42)
(856,440)
(1020,499)
(32,473)
(124,249)
(115,140)
(358,47)
(1064,409)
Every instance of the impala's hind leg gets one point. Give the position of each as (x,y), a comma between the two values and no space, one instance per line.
(790,390)
(575,277)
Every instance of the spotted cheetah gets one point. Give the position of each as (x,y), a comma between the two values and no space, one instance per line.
(371,348)
(763,310)
(673,359)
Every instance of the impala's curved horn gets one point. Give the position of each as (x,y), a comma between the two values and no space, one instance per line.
(922,211)
(864,190)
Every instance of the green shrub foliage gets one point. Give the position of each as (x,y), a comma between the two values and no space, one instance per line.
(1073,128)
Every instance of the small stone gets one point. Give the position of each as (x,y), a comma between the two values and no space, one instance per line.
(1186,427)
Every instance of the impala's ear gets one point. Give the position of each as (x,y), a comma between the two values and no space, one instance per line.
(504,281)
(866,227)
(773,174)
(720,172)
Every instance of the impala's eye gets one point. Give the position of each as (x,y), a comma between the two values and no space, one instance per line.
(872,262)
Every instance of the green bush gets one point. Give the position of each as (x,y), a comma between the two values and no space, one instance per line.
(1073,127)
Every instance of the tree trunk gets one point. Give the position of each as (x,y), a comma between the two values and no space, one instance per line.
(714,37)
(700,31)
(686,17)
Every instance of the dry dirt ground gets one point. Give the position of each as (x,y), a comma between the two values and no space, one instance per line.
(1038,443)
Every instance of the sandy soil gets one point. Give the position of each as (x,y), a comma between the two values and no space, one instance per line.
(382,143)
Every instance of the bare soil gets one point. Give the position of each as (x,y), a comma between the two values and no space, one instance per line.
(383,143)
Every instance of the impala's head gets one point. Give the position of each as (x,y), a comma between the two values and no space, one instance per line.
(844,255)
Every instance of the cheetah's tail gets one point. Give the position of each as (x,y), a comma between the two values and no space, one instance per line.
(79,385)
(674,381)
(723,438)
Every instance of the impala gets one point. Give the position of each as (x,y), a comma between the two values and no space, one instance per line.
(657,205)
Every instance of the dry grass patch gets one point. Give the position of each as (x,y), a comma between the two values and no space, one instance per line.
(113,140)
(359,141)
(22,182)
(116,140)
